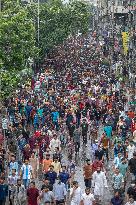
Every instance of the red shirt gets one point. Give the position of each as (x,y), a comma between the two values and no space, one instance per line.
(97,164)
(133,126)
(32,194)
(131,114)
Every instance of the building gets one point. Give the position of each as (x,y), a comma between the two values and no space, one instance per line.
(118,12)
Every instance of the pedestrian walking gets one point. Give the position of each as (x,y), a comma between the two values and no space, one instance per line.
(3,191)
(26,173)
(47,196)
(59,190)
(116,199)
(88,174)
(12,182)
(19,193)
(75,194)
(99,183)
(32,194)
(118,181)
(87,198)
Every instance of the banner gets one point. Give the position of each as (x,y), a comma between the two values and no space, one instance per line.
(125,38)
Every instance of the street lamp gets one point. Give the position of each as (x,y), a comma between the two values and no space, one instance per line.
(38,22)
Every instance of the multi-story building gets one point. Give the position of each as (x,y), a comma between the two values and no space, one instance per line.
(119,12)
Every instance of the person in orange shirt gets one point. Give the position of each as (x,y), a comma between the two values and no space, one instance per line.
(88,173)
(131,114)
(46,164)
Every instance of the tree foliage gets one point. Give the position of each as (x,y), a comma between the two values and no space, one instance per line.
(17,36)
(19,32)
(58,21)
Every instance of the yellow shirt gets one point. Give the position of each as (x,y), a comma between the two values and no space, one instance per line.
(57,166)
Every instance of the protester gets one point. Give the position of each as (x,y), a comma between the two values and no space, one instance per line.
(64,114)
(12,182)
(132,191)
(19,194)
(132,165)
(34,164)
(87,198)
(117,199)
(47,196)
(51,175)
(59,191)
(26,173)
(88,174)
(118,181)
(32,194)
(3,191)
(131,201)
(75,194)
(99,183)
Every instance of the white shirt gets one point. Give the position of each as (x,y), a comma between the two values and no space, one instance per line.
(131,150)
(128,203)
(88,199)
(54,143)
(76,197)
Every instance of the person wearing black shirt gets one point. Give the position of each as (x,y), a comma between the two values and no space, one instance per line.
(71,129)
(78,117)
(84,131)
(132,191)
(46,183)
(99,153)
(132,165)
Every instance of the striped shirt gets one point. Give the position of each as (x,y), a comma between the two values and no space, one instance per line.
(13,165)
(26,171)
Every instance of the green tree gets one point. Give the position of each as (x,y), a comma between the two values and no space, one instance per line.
(58,21)
(18,33)
(17,36)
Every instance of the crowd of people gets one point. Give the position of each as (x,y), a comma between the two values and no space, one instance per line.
(74,105)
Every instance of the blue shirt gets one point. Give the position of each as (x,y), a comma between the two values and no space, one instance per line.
(51,176)
(36,119)
(116,201)
(3,191)
(55,116)
(108,131)
(94,147)
(59,191)
(28,109)
(117,150)
(64,176)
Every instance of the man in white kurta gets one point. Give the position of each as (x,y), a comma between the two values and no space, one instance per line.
(75,194)
(99,182)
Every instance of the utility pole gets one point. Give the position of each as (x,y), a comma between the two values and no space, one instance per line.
(0,5)
(38,25)
(38,19)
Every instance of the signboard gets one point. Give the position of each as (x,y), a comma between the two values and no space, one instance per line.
(125,38)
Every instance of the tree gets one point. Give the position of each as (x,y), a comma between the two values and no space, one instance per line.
(18,33)
(17,43)
(59,20)
(17,36)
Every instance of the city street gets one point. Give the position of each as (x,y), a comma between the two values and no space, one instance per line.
(67,102)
